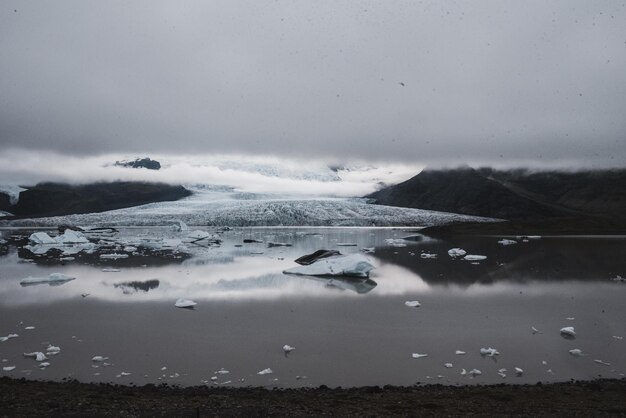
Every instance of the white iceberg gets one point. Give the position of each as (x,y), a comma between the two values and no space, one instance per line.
(71,237)
(519,371)
(355,265)
(98,359)
(474,257)
(53,279)
(44,364)
(37,355)
(412,304)
(418,355)
(185,303)
(8,368)
(568,331)
(53,350)
(576,352)
(41,238)
(8,337)
(448,365)
(181,226)
(288,349)
(456,252)
(489,352)
(265,371)
(459,352)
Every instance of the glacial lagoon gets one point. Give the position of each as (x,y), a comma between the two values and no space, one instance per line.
(346,331)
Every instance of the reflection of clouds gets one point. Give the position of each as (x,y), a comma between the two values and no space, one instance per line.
(396,280)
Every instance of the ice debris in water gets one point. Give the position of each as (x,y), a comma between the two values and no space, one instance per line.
(113,256)
(98,359)
(535,330)
(456,252)
(180,226)
(368,250)
(448,365)
(475,372)
(29,328)
(519,371)
(41,238)
(463,372)
(473,257)
(428,255)
(221,371)
(53,350)
(418,355)
(568,331)
(185,303)
(44,364)
(111,270)
(8,368)
(52,279)
(412,304)
(288,349)
(459,352)
(619,278)
(123,374)
(265,371)
(355,265)
(489,352)
(8,337)
(502,375)
(507,242)
(37,355)
(602,362)
(394,242)
(577,352)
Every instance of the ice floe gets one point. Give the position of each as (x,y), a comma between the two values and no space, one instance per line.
(265,371)
(474,257)
(456,252)
(507,242)
(53,279)
(8,368)
(412,304)
(353,265)
(288,349)
(576,352)
(8,337)
(568,331)
(459,352)
(428,255)
(448,365)
(418,355)
(519,371)
(37,355)
(99,359)
(489,352)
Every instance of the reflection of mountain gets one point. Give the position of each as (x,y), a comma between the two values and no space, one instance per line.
(590,259)
(355,284)
(134,287)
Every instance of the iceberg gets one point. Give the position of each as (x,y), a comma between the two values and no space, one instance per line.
(37,355)
(472,257)
(8,337)
(456,252)
(288,349)
(71,237)
(412,304)
(507,242)
(41,238)
(568,331)
(265,371)
(418,355)
(55,279)
(576,352)
(353,265)
(185,303)
(489,352)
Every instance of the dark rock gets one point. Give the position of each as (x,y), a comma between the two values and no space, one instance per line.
(5,202)
(140,163)
(53,199)
(307,259)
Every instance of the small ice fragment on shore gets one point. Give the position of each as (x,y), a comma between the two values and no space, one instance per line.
(8,337)
(456,252)
(418,355)
(428,255)
(8,368)
(288,349)
(475,372)
(111,270)
(265,371)
(185,303)
(38,355)
(507,242)
(519,371)
(602,362)
(412,304)
(474,257)
(568,331)
(489,352)
(448,365)
(98,359)
(577,352)
(459,352)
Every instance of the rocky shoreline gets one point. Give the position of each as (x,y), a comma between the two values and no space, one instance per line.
(20,397)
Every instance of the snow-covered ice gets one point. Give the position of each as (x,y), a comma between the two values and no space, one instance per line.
(354,265)
(185,303)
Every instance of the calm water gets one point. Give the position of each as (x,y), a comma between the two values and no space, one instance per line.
(346,332)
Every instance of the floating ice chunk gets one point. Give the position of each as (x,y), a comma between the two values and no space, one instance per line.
(355,265)
(214,378)
(489,352)
(456,252)
(44,364)
(502,375)
(602,362)
(503,370)
(412,304)
(473,257)
(568,331)
(571,318)
(288,349)
(507,242)
(98,359)
(130,249)
(619,278)
(71,237)
(463,372)
(475,372)
(53,280)
(37,355)
(448,365)
(8,337)
(180,226)
(418,355)
(535,330)
(53,350)
(544,363)
(393,242)
(428,255)
(265,371)
(122,374)
(221,371)
(110,270)
(459,352)
(8,368)
(368,250)
(617,337)
(576,352)
(185,303)
(41,238)
(519,371)
(29,328)
(112,256)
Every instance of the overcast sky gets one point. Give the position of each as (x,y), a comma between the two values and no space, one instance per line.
(409,81)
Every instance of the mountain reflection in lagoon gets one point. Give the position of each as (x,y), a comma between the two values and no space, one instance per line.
(347,331)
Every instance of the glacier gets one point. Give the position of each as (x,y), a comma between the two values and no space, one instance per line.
(208,207)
